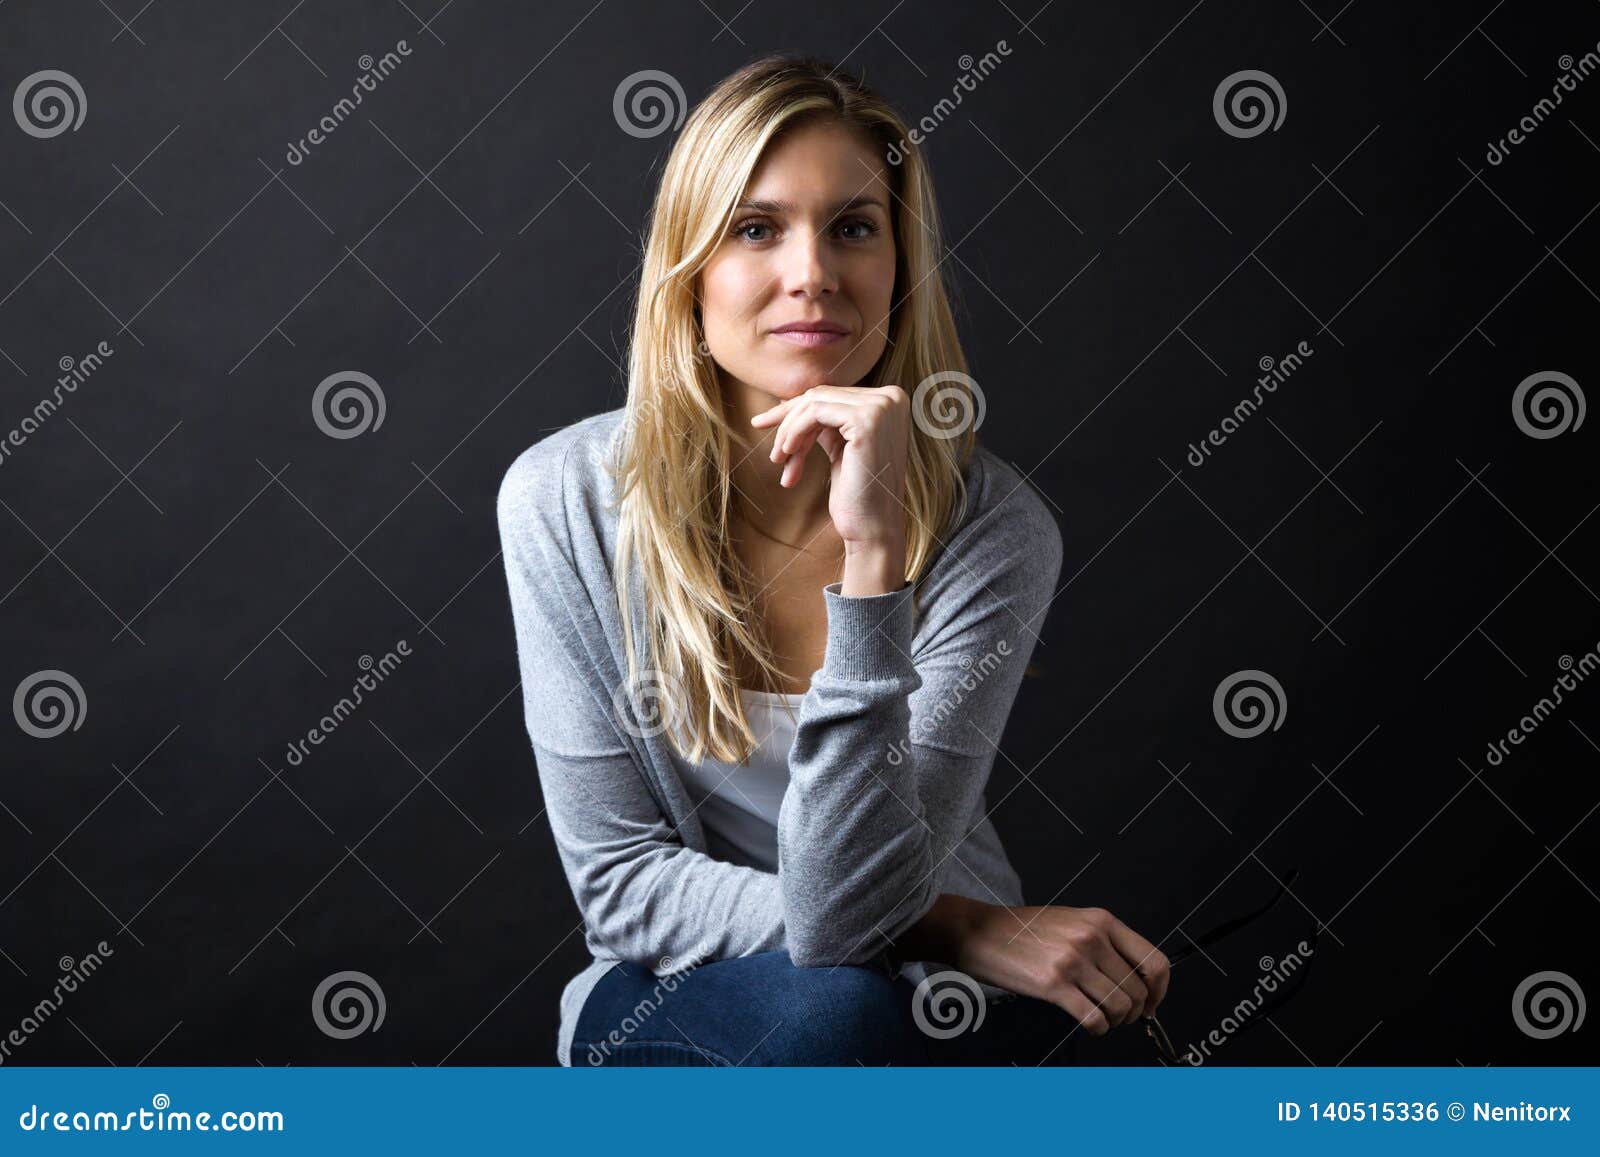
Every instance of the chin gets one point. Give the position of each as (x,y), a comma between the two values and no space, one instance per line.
(790,387)
(797,384)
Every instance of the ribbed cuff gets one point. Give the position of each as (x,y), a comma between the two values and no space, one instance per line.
(869,636)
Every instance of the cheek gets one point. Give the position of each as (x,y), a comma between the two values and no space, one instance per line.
(877,284)
(733,293)
(873,291)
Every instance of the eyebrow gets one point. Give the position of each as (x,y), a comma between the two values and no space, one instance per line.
(765,206)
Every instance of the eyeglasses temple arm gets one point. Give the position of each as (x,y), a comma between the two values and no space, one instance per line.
(1188,947)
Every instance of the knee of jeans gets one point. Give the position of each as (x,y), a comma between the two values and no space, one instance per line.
(843,1015)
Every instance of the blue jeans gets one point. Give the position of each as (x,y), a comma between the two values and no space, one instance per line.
(763,1010)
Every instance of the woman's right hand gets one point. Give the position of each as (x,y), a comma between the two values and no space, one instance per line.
(1084,960)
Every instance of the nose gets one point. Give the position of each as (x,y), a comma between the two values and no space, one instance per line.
(807,271)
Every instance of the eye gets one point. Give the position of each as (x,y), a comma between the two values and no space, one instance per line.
(870,227)
(749,223)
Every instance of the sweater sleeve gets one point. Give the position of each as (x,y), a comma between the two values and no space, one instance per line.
(643,894)
(890,756)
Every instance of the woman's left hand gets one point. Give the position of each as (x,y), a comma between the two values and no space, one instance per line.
(865,432)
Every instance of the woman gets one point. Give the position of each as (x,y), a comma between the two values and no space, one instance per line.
(771,618)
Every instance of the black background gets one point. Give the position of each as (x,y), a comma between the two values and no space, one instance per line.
(185,542)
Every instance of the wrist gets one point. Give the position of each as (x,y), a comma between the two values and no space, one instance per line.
(873,567)
(946,931)
(880,544)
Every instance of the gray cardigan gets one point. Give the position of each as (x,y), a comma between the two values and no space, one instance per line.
(894,743)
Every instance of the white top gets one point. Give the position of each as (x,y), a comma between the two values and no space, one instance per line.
(738,803)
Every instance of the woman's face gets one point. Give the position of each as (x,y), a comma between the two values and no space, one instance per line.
(811,241)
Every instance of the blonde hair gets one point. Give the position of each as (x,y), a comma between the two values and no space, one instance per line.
(675,451)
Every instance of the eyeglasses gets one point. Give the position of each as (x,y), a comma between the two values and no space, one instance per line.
(1187,947)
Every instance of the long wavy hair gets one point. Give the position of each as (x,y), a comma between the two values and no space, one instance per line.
(675,452)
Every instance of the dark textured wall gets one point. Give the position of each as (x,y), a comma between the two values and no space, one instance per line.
(1396,536)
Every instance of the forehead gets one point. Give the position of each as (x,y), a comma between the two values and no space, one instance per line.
(819,165)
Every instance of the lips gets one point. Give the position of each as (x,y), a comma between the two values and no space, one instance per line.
(809,338)
(811,334)
(813,327)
